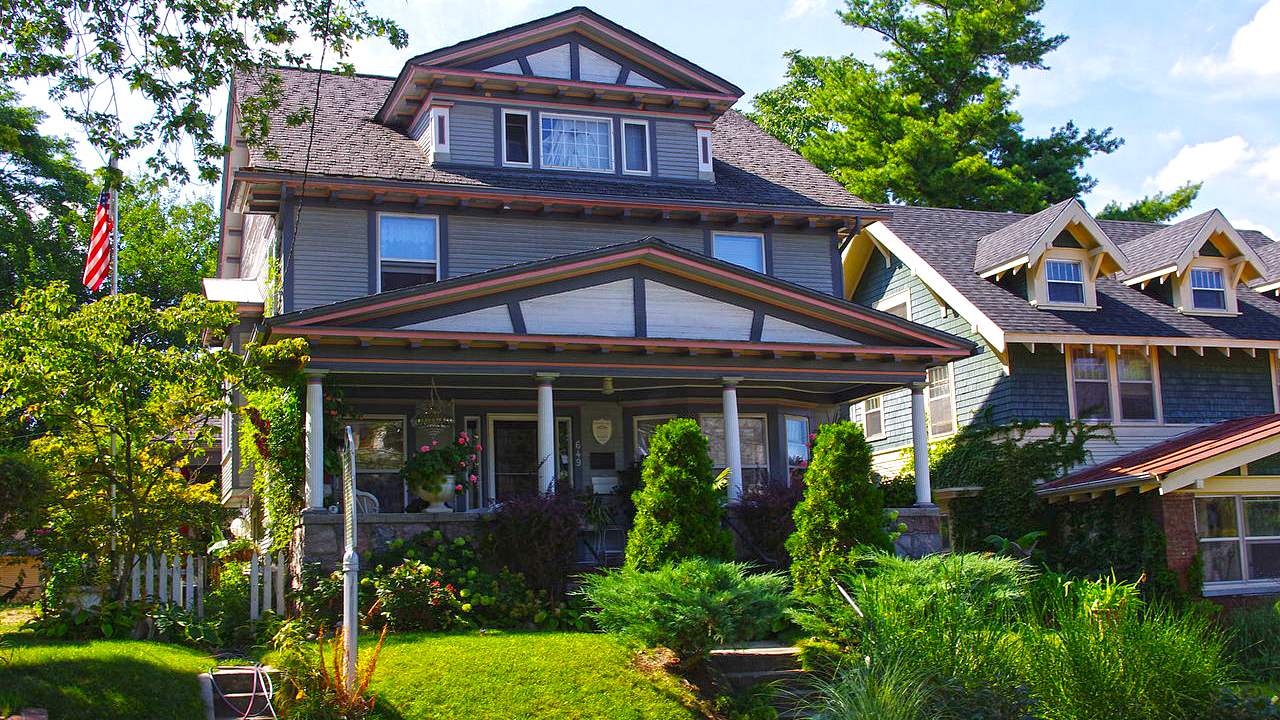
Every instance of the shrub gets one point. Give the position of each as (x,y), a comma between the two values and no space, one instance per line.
(413,597)
(888,689)
(690,607)
(899,492)
(24,495)
(537,535)
(842,509)
(1254,642)
(766,513)
(679,510)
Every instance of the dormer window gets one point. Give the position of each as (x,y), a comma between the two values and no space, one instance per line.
(1208,291)
(1065,281)
(408,248)
(575,142)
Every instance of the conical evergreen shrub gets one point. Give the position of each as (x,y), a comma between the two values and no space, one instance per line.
(842,512)
(678,509)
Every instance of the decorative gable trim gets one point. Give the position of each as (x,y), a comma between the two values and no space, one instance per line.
(1034,238)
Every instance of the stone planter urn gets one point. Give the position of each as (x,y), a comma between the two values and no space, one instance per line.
(84,597)
(437,494)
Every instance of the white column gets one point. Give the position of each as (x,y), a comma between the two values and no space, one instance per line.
(546,433)
(732,441)
(920,447)
(315,440)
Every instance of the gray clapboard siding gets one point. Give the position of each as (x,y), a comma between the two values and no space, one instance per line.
(471,141)
(330,256)
(479,243)
(676,313)
(676,144)
(1214,387)
(594,67)
(804,259)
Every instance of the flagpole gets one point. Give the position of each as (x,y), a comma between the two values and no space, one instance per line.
(115,227)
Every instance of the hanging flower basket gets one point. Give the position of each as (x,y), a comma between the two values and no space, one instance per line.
(440,471)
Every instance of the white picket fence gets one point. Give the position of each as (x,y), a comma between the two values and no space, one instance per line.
(183,579)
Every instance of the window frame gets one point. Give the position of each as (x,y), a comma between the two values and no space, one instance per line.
(1241,538)
(1185,295)
(764,259)
(1038,283)
(762,417)
(858,413)
(951,383)
(608,121)
(648,146)
(404,449)
(1111,357)
(635,432)
(1050,282)
(787,418)
(902,297)
(377,246)
(1192,289)
(528,137)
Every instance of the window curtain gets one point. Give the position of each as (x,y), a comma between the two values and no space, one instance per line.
(576,143)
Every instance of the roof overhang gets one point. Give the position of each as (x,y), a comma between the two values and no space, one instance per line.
(1072,216)
(1248,265)
(1170,344)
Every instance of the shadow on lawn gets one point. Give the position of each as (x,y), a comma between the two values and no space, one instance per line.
(92,688)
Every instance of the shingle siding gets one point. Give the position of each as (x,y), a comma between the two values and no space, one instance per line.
(804,259)
(471,140)
(330,256)
(1039,385)
(676,144)
(1198,389)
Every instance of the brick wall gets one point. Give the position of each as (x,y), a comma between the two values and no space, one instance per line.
(1177,516)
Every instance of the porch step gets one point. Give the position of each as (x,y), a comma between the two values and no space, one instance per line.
(764,664)
(235,693)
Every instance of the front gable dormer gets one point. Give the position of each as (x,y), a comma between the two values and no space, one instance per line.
(1202,260)
(569,92)
(1062,249)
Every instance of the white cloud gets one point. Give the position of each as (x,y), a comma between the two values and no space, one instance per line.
(800,8)
(1268,166)
(1253,49)
(1197,163)
(1244,224)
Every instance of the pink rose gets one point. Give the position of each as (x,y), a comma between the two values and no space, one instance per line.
(813,435)
(804,463)
(474,478)
(424,448)
(462,464)
(478,448)
(457,488)
(472,456)
(435,442)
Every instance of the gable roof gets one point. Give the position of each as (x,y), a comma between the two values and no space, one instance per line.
(1152,463)
(1029,237)
(1172,246)
(752,168)
(947,240)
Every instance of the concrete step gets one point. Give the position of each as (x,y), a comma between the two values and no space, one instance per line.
(756,659)
(241,679)
(233,693)
(783,680)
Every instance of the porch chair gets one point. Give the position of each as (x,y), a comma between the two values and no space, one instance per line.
(367,503)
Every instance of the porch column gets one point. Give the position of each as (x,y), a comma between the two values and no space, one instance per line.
(732,441)
(546,433)
(315,439)
(920,447)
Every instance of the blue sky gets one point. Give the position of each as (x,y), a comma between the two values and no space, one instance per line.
(1193,86)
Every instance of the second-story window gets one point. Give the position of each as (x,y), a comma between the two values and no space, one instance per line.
(407,250)
(869,414)
(1091,383)
(1105,378)
(515,130)
(572,142)
(942,411)
(1065,281)
(742,249)
(1208,292)
(635,147)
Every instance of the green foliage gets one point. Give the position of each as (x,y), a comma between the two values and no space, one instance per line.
(1001,461)
(272,447)
(1112,534)
(887,690)
(536,536)
(88,374)
(172,58)
(932,123)
(25,494)
(313,685)
(425,469)
(689,607)
(1253,641)
(1157,208)
(413,596)
(167,243)
(109,619)
(679,509)
(766,514)
(842,511)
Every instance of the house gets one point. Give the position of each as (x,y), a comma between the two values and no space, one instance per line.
(1168,332)
(555,237)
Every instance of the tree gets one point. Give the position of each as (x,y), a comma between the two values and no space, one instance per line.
(935,125)
(167,244)
(842,513)
(94,376)
(43,192)
(679,508)
(171,57)
(1156,208)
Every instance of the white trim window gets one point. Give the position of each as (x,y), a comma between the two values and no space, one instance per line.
(753,437)
(1208,291)
(1239,539)
(898,304)
(1064,280)
(797,429)
(745,249)
(408,250)
(380,453)
(517,138)
(635,147)
(576,142)
(869,414)
(642,429)
(1103,379)
(940,404)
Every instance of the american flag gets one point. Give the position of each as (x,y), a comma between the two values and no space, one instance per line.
(98,261)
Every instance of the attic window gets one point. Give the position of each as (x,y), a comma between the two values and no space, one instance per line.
(1208,292)
(1211,250)
(515,129)
(574,142)
(1065,281)
(407,250)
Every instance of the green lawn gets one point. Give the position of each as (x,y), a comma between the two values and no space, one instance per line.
(101,679)
(498,676)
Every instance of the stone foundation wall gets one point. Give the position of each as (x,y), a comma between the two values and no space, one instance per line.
(923,535)
(318,538)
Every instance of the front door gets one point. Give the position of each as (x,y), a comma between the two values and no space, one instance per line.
(515,453)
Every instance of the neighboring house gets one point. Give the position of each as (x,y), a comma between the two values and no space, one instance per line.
(556,236)
(1152,328)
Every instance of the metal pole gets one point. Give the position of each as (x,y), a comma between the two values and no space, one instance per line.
(350,561)
(115,227)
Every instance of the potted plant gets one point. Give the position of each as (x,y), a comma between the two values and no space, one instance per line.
(439,471)
(88,587)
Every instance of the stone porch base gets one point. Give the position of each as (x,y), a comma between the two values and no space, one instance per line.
(318,538)
(923,535)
